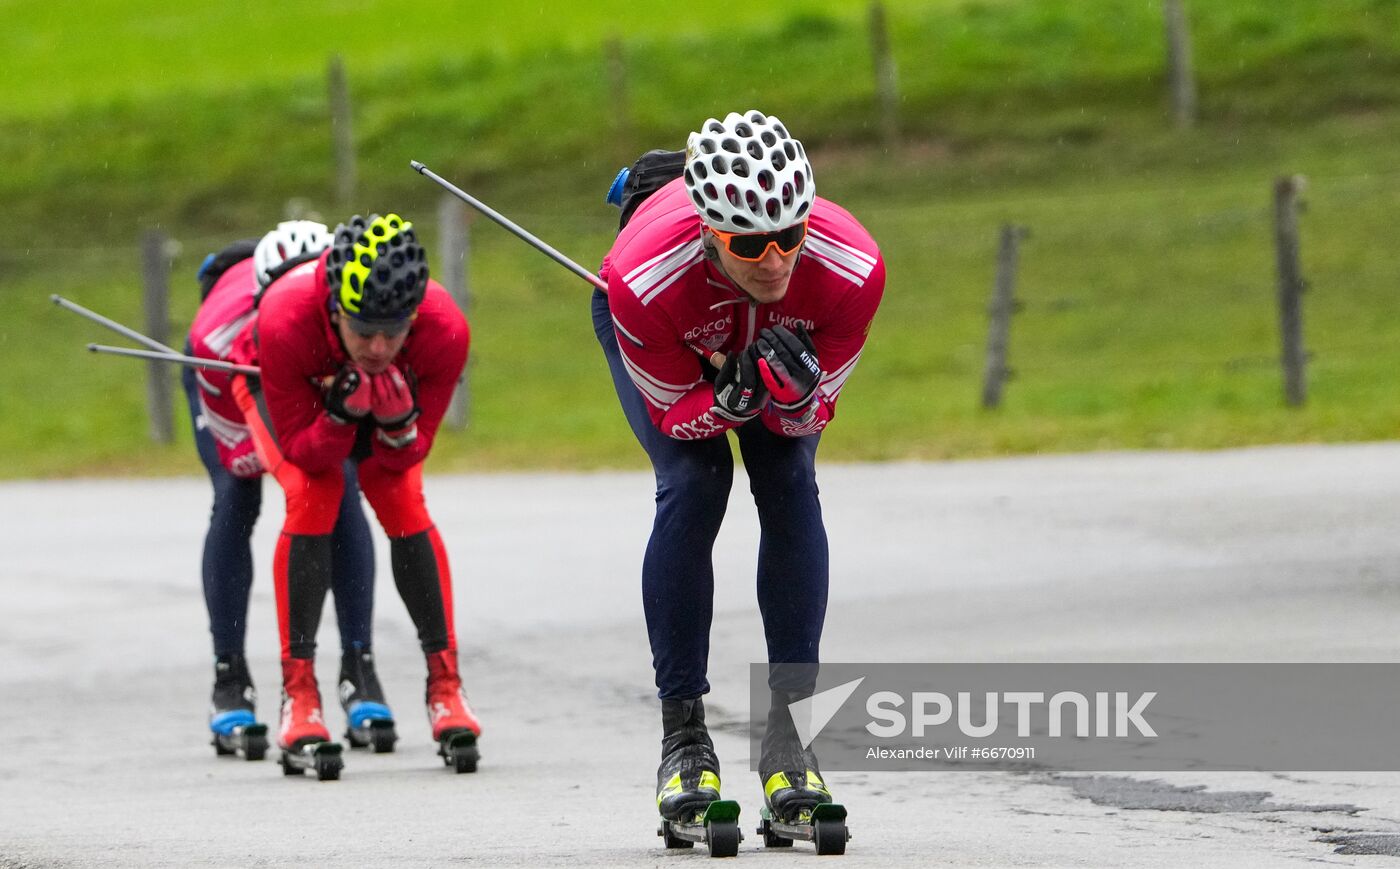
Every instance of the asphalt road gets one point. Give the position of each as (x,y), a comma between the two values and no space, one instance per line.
(1277,554)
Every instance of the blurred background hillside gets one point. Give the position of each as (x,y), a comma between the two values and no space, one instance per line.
(1147,281)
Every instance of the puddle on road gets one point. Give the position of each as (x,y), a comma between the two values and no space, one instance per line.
(1127,793)
(1381,844)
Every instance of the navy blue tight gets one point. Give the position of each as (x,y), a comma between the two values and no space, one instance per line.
(693,479)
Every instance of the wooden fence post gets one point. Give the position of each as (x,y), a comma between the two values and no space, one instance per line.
(1002,307)
(886,74)
(155,270)
(342,135)
(619,105)
(454,242)
(1291,284)
(1180,77)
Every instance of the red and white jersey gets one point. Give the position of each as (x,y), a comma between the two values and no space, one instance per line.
(224,313)
(299,350)
(669,302)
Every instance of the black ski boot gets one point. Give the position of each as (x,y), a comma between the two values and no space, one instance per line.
(369,722)
(232,706)
(792,782)
(687,780)
(797,805)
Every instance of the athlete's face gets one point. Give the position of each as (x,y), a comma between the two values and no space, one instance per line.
(374,352)
(765,281)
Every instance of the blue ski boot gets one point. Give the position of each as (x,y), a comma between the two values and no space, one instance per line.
(232,721)
(369,722)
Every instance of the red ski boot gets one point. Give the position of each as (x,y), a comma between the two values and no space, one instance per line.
(303,737)
(454,725)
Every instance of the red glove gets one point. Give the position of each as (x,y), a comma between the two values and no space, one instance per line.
(242,461)
(348,398)
(395,407)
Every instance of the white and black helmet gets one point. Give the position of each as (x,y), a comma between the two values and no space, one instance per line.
(291,240)
(746,174)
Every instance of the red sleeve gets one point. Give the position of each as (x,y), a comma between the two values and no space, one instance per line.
(225,423)
(666,372)
(436,361)
(839,339)
(293,359)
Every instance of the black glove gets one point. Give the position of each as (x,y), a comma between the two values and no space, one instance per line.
(788,364)
(348,398)
(739,391)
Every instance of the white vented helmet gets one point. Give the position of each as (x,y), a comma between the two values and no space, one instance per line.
(746,174)
(291,239)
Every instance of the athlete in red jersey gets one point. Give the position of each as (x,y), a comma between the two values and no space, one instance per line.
(230,281)
(225,311)
(668,297)
(739,257)
(360,353)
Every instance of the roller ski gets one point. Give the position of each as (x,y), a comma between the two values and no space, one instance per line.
(232,723)
(687,784)
(797,804)
(824,825)
(303,738)
(717,828)
(369,723)
(455,726)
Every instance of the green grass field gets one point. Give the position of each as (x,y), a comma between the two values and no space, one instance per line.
(132,50)
(1147,281)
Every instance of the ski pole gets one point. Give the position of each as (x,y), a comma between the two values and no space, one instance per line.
(178,358)
(510,225)
(112,324)
(716,359)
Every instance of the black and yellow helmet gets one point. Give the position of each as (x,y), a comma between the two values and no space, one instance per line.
(377,271)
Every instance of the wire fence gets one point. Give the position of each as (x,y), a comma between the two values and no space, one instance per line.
(1144,283)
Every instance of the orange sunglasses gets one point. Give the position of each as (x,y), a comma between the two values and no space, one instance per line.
(753,246)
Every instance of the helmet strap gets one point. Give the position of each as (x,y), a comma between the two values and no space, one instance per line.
(707,247)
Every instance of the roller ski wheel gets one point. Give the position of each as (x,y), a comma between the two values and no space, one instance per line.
(459,750)
(716,827)
(322,758)
(823,825)
(246,740)
(378,735)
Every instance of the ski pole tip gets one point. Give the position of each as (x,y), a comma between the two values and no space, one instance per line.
(55,298)
(92,348)
(417,167)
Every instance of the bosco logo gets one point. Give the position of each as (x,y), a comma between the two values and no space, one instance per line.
(722,324)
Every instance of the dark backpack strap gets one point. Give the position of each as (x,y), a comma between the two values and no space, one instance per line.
(215,264)
(652,171)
